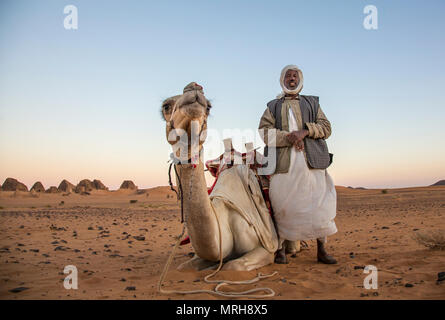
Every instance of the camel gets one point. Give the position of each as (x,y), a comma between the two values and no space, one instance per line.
(243,248)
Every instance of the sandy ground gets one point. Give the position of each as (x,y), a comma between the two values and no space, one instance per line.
(39,236)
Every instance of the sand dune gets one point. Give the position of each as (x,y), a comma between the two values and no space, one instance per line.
(121,239)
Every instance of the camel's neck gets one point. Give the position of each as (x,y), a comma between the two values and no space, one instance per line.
(199,217)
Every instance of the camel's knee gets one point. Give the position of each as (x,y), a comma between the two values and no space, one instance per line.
(187,266)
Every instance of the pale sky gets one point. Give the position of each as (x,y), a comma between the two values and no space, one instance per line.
(84,103)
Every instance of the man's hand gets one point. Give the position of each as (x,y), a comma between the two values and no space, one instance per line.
(296,136)
(299,145)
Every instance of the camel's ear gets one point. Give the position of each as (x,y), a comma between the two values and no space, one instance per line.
(161,111)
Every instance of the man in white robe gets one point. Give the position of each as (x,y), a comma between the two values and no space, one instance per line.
(303,199)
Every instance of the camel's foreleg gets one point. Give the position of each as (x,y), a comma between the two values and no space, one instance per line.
(257,258)
(197,264)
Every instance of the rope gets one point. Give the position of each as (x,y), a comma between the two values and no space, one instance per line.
(220,283)
(180,193)
(170,180)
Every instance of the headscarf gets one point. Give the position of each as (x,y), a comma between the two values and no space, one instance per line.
(300,81)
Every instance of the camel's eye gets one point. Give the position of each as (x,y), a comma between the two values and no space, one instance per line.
(166,107)
(209,106)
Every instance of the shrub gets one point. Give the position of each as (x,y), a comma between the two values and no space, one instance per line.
(384,191)
(133,201)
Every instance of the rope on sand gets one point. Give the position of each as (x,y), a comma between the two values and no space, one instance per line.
(246,294)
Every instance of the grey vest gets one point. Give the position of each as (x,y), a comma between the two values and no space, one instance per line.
(317,154)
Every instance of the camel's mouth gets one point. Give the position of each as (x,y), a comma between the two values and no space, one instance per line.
(193,104)
(193,110)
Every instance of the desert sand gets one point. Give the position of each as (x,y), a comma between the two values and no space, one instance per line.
(120,246)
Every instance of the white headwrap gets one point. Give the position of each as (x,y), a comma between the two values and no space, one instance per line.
(300,82)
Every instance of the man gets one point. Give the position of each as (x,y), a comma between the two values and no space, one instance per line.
(302,193)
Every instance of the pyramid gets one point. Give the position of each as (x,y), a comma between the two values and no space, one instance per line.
(84,186)
(52,189)
(66,186)
(38,187)
(99,185)
(128,184)
(12,184)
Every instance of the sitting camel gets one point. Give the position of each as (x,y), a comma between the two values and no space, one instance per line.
(248,237)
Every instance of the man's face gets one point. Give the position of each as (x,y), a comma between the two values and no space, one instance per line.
(291,79)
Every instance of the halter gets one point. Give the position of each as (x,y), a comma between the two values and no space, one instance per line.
(172,127)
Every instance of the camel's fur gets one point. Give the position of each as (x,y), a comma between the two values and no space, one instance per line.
(241,247)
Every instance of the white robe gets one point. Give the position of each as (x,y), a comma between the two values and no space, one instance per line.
(304,200)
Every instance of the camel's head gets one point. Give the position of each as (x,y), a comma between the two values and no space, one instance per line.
(186,118)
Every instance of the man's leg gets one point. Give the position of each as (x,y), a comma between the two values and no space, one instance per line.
(280,255)
(323,240)
(322,255)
